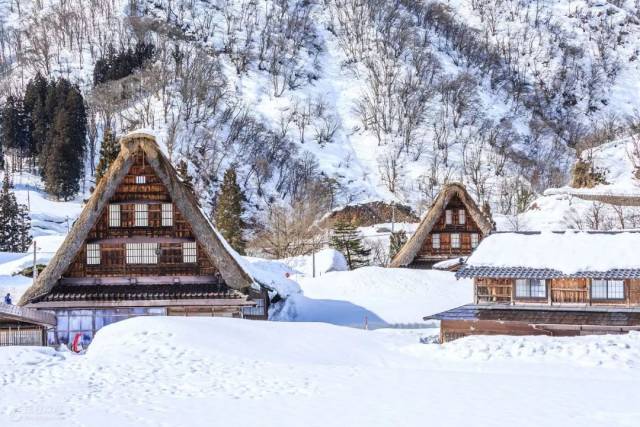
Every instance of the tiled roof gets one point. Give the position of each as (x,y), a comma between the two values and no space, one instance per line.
(543,273)
(541,316)
(139,292)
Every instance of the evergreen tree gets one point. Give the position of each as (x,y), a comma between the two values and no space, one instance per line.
(347,239)
(15,129)
(396,242)
(64,167)
(109,150)
(228,213)
(183,173)
(14,221)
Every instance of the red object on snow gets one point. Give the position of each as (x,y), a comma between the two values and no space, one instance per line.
(76,343)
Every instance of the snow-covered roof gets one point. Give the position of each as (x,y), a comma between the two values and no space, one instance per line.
(556,254)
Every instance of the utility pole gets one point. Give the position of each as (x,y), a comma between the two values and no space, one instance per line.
(35,265)
(313,262)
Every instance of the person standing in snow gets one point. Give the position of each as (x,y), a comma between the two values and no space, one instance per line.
(7,299)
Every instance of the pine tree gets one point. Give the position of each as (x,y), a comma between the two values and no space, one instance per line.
(183,174)
(228,212)
(109,150)
(347,239)
(396,242)
(14,221)
(63,168)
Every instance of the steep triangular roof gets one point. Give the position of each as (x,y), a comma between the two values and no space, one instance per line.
(212,242)
(408,252)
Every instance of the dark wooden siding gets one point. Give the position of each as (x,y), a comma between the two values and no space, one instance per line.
(112,240)
(428,252)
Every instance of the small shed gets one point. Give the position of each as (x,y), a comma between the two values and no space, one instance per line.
(24,326)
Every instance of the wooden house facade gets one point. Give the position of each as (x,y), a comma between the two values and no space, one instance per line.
(565,283)
(142,247)
(452,228)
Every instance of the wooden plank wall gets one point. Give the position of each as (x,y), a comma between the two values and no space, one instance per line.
(21,336)
(465,230)
(112,255)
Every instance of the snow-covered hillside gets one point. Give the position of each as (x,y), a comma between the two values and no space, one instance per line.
(165,371)
(590,208)
(355,100)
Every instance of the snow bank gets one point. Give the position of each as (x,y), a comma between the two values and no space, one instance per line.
(381,295)
(174,371)
(569,251)
(612,351)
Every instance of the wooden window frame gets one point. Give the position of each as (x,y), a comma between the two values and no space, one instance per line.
(458,239)
(142,253)
(115,215)
(607,283)
(167,214)
(462,217)
(530,295)
(436,238)
(93,254)
(475,240)
(141,179)
(141,215)
(448,217)
(189,252)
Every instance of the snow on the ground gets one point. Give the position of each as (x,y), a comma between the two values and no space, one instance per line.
(569,251)
(165,371)
(378,296)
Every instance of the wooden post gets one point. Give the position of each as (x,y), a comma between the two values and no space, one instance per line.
(589,290)
(548,284)
(35,266)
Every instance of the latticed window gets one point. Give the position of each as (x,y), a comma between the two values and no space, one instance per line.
(607,289)
(141,179)
(435,241)
(142,253)
(462,218)
(167,214)
(141,215)
(114,215)
(531,288)
(475,239)
(189,252)
(93,253)
(448,217)
(455,240)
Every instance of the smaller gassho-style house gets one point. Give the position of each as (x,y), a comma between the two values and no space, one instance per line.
(452,228)
(550,283)
(141,247)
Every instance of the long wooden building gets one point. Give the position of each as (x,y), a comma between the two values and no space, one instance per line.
(142,247)
(452,228)
(550,283)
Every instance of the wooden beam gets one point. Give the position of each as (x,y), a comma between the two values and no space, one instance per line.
(141,239)
(139,280)
(226,302)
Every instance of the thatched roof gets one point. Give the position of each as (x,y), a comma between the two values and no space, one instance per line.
(408,252)
(213,244)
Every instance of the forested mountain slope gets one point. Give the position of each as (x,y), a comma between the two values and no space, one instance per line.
(338,101)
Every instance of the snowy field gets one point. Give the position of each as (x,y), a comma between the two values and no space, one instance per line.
(167,372)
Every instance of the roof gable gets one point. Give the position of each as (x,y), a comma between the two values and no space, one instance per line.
(408,252)
(213,244)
